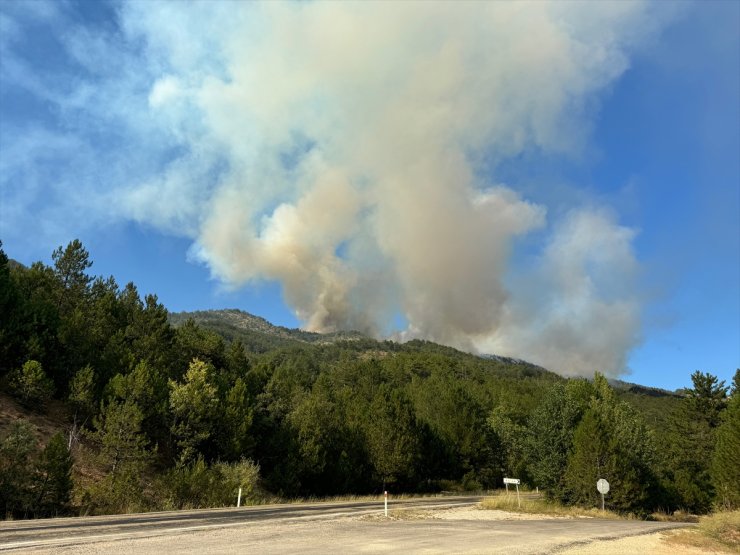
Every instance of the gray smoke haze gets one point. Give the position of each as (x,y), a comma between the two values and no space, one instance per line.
(349,151)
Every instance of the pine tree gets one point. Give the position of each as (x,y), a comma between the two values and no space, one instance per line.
(17,450)
(726,461)
(53,479)
(611,442)
(31,385)
(123,453)
(692,440)
(193,404)
(12,323)
(235,439)
(550,434)
(82,398)
(392,437)
(70,265)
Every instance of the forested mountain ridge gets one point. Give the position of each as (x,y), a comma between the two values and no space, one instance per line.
(255,330)
(181,416)
(259,335)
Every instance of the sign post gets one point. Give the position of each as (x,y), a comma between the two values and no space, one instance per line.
(516,482)
(239,498)
(385,494)
(603,487)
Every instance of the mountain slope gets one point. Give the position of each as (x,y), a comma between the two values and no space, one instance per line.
(255,332)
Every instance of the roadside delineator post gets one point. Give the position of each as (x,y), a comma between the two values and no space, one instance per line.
(239,498)
(385,495)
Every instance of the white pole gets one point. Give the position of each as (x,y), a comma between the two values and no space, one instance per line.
(518,503)
(386,503)
(239,498)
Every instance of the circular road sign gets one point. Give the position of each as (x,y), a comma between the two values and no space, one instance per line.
(603,486)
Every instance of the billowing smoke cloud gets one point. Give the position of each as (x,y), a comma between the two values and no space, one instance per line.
(361,142)
(350,151)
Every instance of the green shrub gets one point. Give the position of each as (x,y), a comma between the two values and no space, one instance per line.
(198,485)
(30,384)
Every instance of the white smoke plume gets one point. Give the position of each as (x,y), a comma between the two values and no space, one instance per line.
(349,151)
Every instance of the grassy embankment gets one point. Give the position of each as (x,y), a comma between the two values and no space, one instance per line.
(716,532)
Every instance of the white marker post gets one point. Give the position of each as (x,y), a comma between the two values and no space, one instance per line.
(385,494)
(516,482)
(239,498)
(603,487)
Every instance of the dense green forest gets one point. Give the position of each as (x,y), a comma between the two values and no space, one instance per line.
(157,412)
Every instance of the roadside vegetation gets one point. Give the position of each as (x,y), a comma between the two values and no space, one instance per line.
(540,506)
(148,415)
(716,532)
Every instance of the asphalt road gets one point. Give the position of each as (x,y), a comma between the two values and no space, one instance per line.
(314,528)
(27,534)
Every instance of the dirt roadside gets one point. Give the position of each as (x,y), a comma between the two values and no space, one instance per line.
(648,544)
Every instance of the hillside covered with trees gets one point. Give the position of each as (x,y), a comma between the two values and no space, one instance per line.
(162,411)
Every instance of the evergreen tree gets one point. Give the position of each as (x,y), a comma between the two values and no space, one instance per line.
(12,323)
(455,413)
(70,266)
(146,387)
(17,450)
(611,442)
(123,454)
(512,441)
(72,291)
(193,404)
(725,469)
(53,479)
(550,434)
(237,362)
(392,438)
(38,318)
(692,442)
(82,394)
(235,439)
(31,385)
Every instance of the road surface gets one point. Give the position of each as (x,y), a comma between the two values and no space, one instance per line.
(315,528)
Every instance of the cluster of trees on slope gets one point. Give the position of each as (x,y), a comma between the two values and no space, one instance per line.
(165,417)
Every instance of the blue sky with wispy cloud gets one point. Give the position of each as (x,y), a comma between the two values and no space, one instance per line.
(554,181)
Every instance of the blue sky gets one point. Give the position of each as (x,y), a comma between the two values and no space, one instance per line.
(575,204)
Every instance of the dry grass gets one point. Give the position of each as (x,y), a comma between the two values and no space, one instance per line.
(400,514)
(678,516)
(542,507)
(47,421)
(716,532)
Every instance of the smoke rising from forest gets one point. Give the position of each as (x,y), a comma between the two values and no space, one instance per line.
(353,153)
(360,145)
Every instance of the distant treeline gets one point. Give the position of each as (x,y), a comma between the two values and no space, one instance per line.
(157,416)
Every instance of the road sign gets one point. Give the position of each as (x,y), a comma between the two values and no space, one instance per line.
(516,482)
(603,486)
